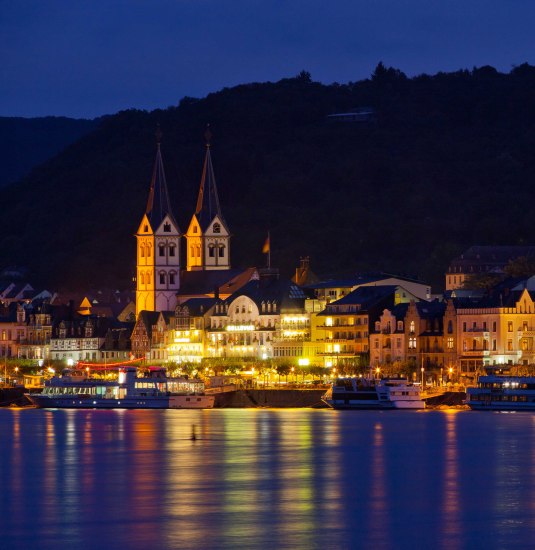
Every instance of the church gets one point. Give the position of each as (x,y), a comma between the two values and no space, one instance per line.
(162,279)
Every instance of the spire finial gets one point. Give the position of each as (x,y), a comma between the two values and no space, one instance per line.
(208,135)
(158,134)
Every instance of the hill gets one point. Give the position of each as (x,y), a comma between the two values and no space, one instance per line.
(448,162)
(27,142)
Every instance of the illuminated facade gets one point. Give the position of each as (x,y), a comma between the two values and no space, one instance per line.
(498,332)
(208,237)
(158,248)
(345,330)
(188,332)
(387,341)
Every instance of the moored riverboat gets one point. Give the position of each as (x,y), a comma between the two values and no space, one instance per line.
(496,392)
(129,391)
(364,393)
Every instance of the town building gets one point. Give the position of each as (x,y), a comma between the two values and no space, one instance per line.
(478,260)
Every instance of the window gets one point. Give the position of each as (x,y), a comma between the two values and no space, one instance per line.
(450,343)
(198,251)
(172,250)
(217,228)
(221,251)
(167,227)
(195,230)
(142,278)
(510,326)
(450,327)
(494,344)
(161,250)
(146,228)
(412,343)
(171,278)
(148,251)
(211,251)
(162,278)
(412,327)
(142,251)
(400,325)
(464,327)
(509,345)
(493,326)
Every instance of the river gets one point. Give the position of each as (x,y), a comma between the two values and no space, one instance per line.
(260,478)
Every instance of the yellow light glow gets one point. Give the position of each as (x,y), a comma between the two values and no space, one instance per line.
(336,348)
(303,361)
(329,321)
(239,328)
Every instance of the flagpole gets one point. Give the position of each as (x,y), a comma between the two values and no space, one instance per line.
(269,251)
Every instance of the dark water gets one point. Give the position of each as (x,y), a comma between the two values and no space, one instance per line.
(266,479)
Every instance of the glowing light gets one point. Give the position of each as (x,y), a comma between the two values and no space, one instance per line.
(336,348)
(303,361)
(329,321)
(239,328)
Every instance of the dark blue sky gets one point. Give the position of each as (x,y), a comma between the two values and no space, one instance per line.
(83,58)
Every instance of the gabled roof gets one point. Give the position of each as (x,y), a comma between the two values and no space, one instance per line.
(208,206)
(198,283)
(286,294)
(431,310)
(366,295)
(158,203)
(198,306)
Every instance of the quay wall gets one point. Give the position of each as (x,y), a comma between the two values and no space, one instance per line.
(13,396)
(447,399)
(249,398)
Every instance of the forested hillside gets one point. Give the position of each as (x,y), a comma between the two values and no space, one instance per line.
(26,142)
(449,161)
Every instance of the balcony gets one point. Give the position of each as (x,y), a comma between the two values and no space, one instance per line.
(476,353)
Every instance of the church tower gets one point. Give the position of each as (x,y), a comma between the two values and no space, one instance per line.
(208,237)
(158,247)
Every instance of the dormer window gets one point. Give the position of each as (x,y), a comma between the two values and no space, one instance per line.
(167,227)
(217,228)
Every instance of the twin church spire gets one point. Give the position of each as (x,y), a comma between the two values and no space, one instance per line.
(158,238)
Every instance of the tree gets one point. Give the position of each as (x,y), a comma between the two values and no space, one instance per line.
(482,281)
(523,266)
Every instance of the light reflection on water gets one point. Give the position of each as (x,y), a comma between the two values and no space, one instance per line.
(266,479)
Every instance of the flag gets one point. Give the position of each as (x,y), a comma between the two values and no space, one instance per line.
(265,248)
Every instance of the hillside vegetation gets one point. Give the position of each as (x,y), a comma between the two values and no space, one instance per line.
(448,162)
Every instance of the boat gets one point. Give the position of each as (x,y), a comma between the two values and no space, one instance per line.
(370,393)
(154,390)
(498,392)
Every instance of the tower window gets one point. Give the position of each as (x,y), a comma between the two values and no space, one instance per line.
(162,278)
(172,250)
(211,251)
(146,229)
(221,251)
(217,228)
(198,251)
(161,250)
(148,251)
(167,227)
(142,250)
(194,229)
(171,278)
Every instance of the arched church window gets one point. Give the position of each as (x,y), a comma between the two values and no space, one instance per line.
(142,278)
(198,251)
(162,278)
(221,251)
(148,251)
(167,227)
(161,250)
(217,228)
(142,251)
(172,248)
(172,278)
(211,251)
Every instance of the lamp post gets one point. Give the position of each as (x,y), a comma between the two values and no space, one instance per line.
(423,379)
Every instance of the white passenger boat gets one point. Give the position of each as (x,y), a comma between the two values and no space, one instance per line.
(495,392)
(364,393)
(129,391)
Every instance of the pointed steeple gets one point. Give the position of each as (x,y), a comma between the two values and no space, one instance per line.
(208,201)
(158,204)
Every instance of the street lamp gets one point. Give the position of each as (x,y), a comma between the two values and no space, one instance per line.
(423,380)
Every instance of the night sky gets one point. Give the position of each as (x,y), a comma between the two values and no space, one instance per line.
(87,58)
